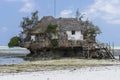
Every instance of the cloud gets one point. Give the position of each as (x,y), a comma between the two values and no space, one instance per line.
(4,29)
(28,5)
(11,0)
(107,10)
(66,13)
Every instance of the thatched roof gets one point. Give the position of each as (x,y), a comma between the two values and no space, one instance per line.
(68,24)
(64,24)
(43,23)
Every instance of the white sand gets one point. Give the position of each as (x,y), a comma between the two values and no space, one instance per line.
(88,73)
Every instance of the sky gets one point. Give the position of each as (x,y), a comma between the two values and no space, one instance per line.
(103,13)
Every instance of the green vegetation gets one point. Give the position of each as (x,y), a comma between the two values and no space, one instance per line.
(14,41)
(92,29)
(54,42)
(29,23)
(52,29)
(89,27)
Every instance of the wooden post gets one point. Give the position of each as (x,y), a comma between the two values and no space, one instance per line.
(88,53)
(113,48)
(109,46)
(54,8)
(119,57)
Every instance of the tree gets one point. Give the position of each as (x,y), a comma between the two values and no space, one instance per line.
(88,27)
(34,18)
(79,15)
(52,31)
(29,23)
(14,41)
(91,29)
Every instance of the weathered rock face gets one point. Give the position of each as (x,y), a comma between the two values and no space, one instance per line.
(56,53)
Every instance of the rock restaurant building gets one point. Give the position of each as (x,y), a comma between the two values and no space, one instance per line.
(62,34)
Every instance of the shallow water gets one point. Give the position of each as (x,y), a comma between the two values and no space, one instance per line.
(10,60)
(16,60)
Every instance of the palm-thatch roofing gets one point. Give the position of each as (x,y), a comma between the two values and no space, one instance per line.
(68,24)
(64,24)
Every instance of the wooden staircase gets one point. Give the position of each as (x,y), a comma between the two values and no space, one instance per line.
(97,50)
(108,53)
(105,51)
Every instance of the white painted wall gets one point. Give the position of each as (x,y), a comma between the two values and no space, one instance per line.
(54,36)
(76,36)
(33,37)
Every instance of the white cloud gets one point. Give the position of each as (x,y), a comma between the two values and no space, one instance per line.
(108,10)
(66,13)
(4,29)
(11,0)
(28,5)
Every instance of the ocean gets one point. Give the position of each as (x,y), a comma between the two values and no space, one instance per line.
(9,56)
(11,60)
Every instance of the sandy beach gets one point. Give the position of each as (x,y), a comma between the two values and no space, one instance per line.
(88,73)
(101,72)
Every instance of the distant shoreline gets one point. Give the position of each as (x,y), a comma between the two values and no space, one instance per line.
(5,51)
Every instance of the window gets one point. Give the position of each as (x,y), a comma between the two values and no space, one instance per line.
(73,32)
